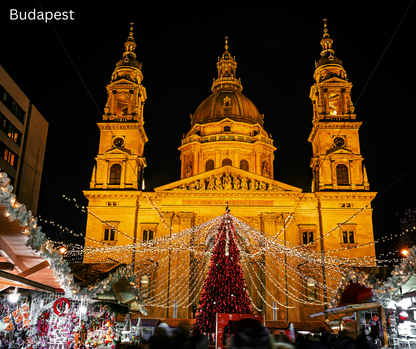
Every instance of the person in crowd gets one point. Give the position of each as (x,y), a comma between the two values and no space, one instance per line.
(251,334)
(180,335)
(281,341)
(196,341)
(365,341)
(344,341)
(159,340)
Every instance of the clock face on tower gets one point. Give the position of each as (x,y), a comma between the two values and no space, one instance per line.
(118,141)
(339,141)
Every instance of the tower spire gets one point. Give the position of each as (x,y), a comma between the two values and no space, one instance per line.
(130,45)
(326,42)
(226,66)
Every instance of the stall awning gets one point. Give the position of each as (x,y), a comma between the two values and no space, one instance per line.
(311,326)
(31,271)
(348,309)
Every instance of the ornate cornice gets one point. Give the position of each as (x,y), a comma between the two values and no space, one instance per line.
(103,194)
(120,125)
(329,124)
(346,195)
(226,194)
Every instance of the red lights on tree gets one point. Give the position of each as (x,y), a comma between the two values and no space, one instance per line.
(225,289)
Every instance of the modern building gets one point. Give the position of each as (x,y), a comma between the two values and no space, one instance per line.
(227,156)
(23,133)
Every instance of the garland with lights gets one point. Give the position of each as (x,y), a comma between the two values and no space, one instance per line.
(45,248)
(382,291)
(112,308)
(254,247)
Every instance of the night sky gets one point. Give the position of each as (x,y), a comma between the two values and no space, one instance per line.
(64,66)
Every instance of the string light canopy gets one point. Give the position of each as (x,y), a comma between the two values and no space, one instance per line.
(291,271)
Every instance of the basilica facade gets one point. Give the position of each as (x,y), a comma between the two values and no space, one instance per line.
(227,156)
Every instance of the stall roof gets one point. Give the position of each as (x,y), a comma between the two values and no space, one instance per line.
(31,271)
(311,326)
(347,309)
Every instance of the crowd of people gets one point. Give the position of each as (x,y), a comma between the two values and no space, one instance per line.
(251,334)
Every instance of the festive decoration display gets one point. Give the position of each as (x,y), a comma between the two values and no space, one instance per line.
(61,306)
(38,242)
(113,308)
(225,290)
(382,290)
(300,261)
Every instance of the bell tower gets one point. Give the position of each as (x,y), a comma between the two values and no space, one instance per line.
(337,161)
(120,160)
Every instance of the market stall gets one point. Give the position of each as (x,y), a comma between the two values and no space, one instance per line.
(41,306)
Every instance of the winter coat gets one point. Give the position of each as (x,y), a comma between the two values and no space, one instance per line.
(251,338)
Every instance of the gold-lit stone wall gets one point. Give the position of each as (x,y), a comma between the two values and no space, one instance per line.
(227,126)
(213,141)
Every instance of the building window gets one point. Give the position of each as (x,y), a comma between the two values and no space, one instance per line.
(110,231)
(227,162)
(227,128)
(244,165)
(209,165)
(8,155)
(342,175)
(12,105)
(145,286)
(10,130)
(307,234)
(310,291)
(334,103)
(148,235)
(115,174)
(348,236)
(307,237)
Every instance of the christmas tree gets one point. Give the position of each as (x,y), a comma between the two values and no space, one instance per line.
(225,289)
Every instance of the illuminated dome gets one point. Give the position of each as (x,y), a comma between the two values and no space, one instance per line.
(227,104)
(227,101)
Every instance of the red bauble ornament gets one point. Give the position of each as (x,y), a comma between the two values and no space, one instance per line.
(403,315)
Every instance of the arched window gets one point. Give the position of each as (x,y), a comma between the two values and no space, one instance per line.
(244,165)
(227,128)
(334,103)
(209,165)
(115,174)
(227,162)
(145,286)
(310,288)
(342,175)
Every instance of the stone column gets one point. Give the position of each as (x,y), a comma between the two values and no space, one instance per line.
(105,175)
(195,163)
(344,102)
(113,102)
(123,175)
(130,105)
(326,102)
(258,162)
